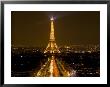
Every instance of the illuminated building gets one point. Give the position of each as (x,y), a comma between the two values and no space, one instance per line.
(52,46)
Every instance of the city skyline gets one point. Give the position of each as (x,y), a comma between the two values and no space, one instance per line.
(33,28)
(55,61)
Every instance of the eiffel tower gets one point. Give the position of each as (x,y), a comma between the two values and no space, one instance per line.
(52,46)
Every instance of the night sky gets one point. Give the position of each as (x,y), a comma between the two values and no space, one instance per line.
(32,28)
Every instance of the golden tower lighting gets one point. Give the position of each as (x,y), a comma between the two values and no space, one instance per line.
(52,46)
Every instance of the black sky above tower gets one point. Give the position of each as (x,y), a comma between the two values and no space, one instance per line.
(32,28)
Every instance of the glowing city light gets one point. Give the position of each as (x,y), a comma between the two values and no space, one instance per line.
(52,46)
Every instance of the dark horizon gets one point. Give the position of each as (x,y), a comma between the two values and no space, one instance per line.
(32,28)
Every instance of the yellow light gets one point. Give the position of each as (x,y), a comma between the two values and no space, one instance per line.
(52,47)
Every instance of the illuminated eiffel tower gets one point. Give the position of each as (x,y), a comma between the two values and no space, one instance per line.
(52,46)
(53,67)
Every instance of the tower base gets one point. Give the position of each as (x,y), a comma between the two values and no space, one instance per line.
(52,48)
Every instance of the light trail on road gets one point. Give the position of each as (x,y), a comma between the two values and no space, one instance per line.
(53,68)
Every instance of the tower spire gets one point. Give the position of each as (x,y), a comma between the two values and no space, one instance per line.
(52,46)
